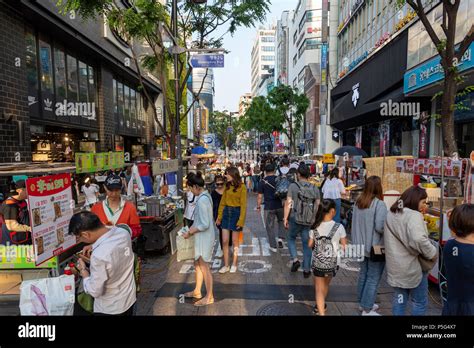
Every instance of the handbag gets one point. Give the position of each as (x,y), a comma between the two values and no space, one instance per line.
(185,248)
(377,252)
(428,265)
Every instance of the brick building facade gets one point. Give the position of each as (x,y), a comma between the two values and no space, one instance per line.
(47,60)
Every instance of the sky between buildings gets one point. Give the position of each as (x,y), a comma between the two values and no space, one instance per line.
(234,80)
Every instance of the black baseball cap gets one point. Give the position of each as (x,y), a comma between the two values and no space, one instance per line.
(113,182)
(20,184)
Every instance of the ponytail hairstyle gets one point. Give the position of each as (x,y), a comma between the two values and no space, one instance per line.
(324,208)
(195,179)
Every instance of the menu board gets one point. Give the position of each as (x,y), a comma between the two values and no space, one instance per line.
(98,162)
(50,207)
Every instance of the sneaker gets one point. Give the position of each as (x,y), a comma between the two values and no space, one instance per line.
(274,249)
(306,274)
(295,266)
(224,269)
(219,253)
(375,307)
(280,243)
(233,269)
(371,313)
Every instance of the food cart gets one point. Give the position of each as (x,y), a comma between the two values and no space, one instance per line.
(23,262)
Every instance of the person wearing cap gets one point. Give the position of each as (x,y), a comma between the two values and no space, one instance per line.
(16,227)
(114,210)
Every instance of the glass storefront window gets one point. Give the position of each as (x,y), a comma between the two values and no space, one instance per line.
(31,62)
(133,110)
(126,112)
(120,103)
(114,97)
(46,67)
(83,82)
(91,85)
(60,74)
(72,76)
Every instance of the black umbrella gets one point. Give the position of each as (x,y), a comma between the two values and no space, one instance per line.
(350,150)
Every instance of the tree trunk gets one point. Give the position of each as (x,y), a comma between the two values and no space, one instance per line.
(447,113)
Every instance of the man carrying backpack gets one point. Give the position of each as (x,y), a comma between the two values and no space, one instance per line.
(299,215)
(273,208)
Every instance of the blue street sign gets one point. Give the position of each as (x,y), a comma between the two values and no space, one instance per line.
(324,55)
(230,130)
(207,61)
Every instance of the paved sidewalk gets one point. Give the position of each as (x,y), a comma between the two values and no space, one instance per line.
(263,285)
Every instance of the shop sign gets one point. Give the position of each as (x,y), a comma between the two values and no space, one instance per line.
(50,208)
(432,71)
(163,167)
(335,136)
(423,148)
(329,158)
(355,94)
(97,162)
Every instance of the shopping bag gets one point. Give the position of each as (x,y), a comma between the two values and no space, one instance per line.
(185,248)
(48,296)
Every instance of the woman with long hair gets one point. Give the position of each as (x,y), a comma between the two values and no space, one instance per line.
(203,230)
(190,202)
(368,220)
(324,265)
(333,188)
(231,216)
(216,194)
(406,243)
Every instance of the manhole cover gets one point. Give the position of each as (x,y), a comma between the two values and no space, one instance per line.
(254,266)
(285,308)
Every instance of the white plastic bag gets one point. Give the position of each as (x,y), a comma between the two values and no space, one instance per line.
(48,296)
(185,248)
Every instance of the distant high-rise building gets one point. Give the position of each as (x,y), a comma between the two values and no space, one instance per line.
(244,103)
(263,56)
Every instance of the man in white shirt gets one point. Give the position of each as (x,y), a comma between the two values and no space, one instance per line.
(110,280)
(91,191)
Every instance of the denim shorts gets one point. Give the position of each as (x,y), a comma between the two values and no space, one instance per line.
(230,217)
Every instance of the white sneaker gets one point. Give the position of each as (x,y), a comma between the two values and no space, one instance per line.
(233,269)
(371,313)
(219,253)
(375,307)
(224,269)
(273,249)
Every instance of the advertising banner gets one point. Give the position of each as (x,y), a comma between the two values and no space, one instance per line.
(98,162)
(163,167)
(50,209)
(22,257)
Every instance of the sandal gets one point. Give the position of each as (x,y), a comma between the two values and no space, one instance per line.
(192,295)
(200,303)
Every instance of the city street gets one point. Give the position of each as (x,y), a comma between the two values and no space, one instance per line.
(263,285)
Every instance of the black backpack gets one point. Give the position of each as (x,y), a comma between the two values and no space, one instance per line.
(282,184)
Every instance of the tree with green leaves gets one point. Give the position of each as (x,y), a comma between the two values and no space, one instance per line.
(260,116)
(290,106)
(148,21)
(219,122)
(450,54)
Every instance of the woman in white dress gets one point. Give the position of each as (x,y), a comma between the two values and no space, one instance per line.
(204,238)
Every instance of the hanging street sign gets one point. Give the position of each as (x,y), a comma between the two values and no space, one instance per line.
(207,61)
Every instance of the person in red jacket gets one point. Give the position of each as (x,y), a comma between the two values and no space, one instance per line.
(114,210)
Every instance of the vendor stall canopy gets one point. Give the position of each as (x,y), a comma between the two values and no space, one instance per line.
(199,150)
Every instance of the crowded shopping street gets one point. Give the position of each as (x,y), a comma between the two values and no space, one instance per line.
(168,164)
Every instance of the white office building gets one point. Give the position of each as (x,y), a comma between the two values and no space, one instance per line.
(263,57)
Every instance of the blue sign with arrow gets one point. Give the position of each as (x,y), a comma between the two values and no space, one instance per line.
(207,61)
